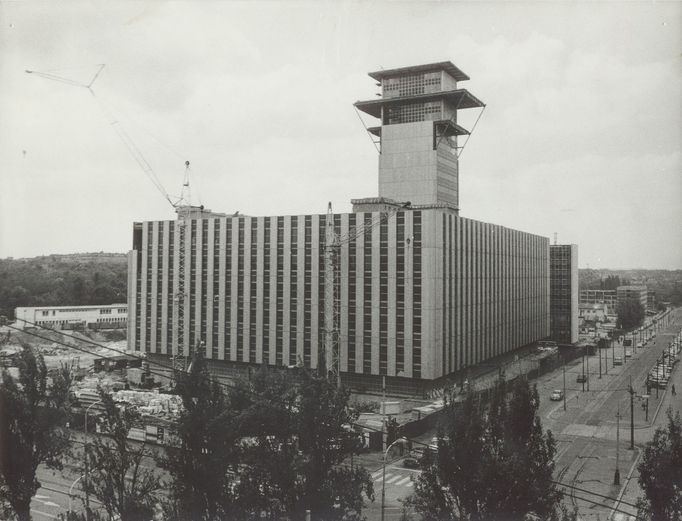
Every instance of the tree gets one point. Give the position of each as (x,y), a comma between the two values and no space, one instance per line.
(630,314)
(127,490)
(204,462)
(32,430)
(302,436)
(493,462)
(660,473)
(611,282)
(331,491)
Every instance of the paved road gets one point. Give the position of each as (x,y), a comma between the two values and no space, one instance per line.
(587,431)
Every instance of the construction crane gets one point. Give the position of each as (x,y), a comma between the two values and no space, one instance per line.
(328,356)
(182,204)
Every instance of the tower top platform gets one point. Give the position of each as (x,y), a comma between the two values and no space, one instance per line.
(446,66)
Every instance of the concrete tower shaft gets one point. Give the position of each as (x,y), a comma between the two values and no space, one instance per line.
(418,132)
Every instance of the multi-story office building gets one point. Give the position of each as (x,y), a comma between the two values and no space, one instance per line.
(599,296)
(563,300)
(422,292)
(636,293)
(651,302)
(67,317)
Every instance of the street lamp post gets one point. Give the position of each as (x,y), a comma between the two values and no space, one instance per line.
(71,490)
(85,455)
(616,475)
(383,475)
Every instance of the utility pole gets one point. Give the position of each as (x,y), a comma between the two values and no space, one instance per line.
(564,368)
(599,351)
(632,416)
(587,375)
(583,373)
(613,353)
(658,377)
(616,475)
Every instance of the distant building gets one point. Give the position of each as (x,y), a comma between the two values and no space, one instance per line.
(599,296)
(112,316)
(636,293)
(563,293)
(593,312)
(422,292)
(651,302)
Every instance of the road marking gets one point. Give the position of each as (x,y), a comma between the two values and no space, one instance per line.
(394,479)
(403,481)
(38,496)
(379,479)
(45,514)
(377,474)
(410,484)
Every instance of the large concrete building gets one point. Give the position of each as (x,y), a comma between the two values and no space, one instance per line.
(563,301)
(422,292)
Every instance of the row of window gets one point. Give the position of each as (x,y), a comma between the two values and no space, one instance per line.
(247,310)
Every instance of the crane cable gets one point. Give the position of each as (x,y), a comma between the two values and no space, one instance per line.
(120,131)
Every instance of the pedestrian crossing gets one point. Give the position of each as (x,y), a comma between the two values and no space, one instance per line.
(393,478)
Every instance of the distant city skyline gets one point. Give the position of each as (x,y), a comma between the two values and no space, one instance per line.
(581,135)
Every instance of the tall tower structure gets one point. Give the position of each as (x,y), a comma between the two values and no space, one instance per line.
(418,134)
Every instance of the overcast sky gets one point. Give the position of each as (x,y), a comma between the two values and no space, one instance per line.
(582,134)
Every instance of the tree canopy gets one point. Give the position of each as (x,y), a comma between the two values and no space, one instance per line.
(660,473)
(117,478)
(62,281)
(32,432)
(270,447)
(493,461)
(630,314)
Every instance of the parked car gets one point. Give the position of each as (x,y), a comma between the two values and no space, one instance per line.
(557,395)
(410,463)
(581,378)
(617,360)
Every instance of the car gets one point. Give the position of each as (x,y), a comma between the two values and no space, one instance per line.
(617,360)
(639,344)
(411,463)
(581,378)
(628,354)
(556,395)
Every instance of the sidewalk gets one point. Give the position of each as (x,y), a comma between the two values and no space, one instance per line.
(631,490)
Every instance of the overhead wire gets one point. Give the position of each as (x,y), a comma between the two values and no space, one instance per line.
(272,399)
(169,367)
(115,124)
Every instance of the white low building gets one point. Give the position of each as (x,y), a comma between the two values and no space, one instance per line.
(111,316)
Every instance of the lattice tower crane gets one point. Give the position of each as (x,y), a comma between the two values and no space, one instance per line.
(179,204)
(328,356)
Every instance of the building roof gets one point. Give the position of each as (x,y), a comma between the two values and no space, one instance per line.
(447,66)
(461,98)
(448,127)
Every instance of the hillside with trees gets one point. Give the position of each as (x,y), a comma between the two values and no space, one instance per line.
(63,280)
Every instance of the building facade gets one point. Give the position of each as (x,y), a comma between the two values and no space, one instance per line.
(564,310)
(633,293)
(421,292)
(111,316)
(599,296)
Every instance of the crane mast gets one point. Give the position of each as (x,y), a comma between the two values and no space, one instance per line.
(328,357)
(182,205)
